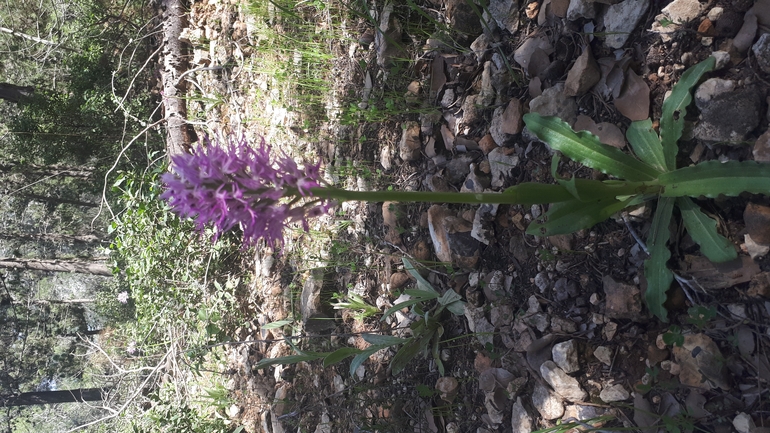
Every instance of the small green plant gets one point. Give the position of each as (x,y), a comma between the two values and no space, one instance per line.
(358,304)
(426,332)
(699,316)
(653,175)
(674,337)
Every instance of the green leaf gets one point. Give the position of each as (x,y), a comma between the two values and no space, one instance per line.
(659,277)
(399,306)
(571,216)
(449,297)
(457,308)
(646,144)
(382,340)
(712,178)
(529,193)
(411,349)
(290,359)
(421,282)
(586,149)
(340,354)
(703,230)
(277,324)
(675,109)
(361,357)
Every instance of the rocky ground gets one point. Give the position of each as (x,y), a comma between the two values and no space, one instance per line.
(554,329)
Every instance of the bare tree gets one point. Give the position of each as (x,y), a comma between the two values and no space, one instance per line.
(50,397)
(55,265)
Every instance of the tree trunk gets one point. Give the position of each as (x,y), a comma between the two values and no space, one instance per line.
(34,170)
(50,397)
(57,266)
(58,200)
(28,37)
(53,238)
(180,134)
(14,93)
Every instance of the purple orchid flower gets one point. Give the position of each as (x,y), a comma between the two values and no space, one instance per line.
(228,183)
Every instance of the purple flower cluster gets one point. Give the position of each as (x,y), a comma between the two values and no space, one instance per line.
(228,183)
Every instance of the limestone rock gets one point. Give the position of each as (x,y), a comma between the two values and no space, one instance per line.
(409,147)
(621,19)
(562,383)
(744,107)
(546,402)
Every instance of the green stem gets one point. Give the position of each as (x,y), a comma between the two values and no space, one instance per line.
(527,193)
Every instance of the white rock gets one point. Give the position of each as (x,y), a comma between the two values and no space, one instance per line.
(715,13)
(743,423)
(565,356)
(564,384)
(681,11)
(722,59)
(547,403)
(614,393)
(553,102)
(711,88)
(521,422)
(604,354)
(581,9)
(622,18)
(753,248)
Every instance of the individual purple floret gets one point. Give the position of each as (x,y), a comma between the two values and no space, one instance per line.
(228,183)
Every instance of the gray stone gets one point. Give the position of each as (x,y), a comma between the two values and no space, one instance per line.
(458,169)
(614,393)
(623,301)
(554,102)
(487,93)
(762,148)
(565,356)
(313,310)
(744,107)
(479,46)
(523,54)
(579,411)
(546,402)
(505,13)
(564,289)
(722,59)
(621,19)
(762,52)
(452,238)
(604,354)
(521,422)
(483,231)
(478,324)
(501,161)
(581,9)
(562,383)
(710,89)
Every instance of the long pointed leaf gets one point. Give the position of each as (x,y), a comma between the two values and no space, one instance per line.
(646,144)
(675,108)
(290,359)
(571,216)
(659,277)
(712,178)
(382,340)
(361,357)
(422,283)
(340,354)
(411,349)
(703,230)
(586,149)
(529,193)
